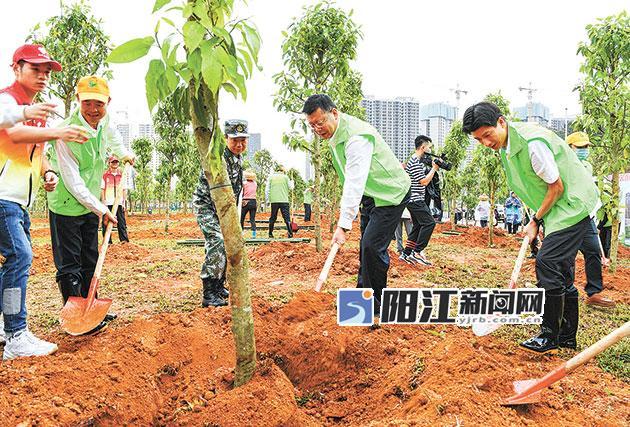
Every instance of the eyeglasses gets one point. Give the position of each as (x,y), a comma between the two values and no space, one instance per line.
(319,124)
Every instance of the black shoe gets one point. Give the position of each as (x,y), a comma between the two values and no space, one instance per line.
(221,290)
(100,327)
(547,340)
(69,287)
(110,316)
(569,325)
(211,297)
(271,236)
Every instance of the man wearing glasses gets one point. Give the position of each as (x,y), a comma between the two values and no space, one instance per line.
(372,178)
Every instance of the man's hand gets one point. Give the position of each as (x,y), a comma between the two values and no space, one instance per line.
(605,261)
(38,111)
(531,230)
(435,165)
(107,217)
(339,237)
(73,133)
(131,159)
(50,181)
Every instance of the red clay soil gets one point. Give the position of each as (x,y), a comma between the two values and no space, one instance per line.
(174,369)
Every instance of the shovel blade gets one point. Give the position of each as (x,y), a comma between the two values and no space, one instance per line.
(80,315)
(520,387)
(483,329)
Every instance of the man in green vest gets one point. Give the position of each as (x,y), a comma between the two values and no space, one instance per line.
(371,177)
(277,193)
(547,176)
(579,143)
(75,207)
(308,201)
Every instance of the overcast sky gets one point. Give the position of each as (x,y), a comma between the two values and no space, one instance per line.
(409,48)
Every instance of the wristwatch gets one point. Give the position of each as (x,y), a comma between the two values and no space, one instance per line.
(538,221)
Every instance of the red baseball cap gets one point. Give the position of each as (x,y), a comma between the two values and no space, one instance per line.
(35,54)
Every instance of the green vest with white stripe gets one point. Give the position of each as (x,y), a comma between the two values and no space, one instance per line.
(387,181)
(91,159)
(580,193)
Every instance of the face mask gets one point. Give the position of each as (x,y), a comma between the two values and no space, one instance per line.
(582,153)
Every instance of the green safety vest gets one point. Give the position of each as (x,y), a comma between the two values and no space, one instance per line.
(91,158)
(308,197)
(580,193)
(278,188)
(387,181)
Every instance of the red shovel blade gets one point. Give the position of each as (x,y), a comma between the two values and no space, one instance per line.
(520,387)
(81,315)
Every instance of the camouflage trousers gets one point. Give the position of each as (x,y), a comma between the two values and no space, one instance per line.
(215,262)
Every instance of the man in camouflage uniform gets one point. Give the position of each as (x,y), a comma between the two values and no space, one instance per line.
(215,263)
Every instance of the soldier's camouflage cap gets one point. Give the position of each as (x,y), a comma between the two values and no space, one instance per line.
(236,128)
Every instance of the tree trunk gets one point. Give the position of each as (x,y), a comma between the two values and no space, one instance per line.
(238,265)
(316,160)
(491,216)
(453,207)
(67,104)
(614,243)
(168,208)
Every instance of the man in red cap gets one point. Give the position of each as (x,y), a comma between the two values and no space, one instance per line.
(21,166)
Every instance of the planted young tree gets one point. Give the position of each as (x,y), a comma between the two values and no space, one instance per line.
(186,169)
(297,194)
(605,97)
(76,39)
(455,152)
(264,165)
(317,51)
(219,54)
(170,146)
(469,181)
(143,148)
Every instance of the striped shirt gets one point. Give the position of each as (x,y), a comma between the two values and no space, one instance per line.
(416,171)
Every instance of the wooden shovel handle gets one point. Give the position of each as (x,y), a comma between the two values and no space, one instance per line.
(519,262)
(327,265)
(609,340)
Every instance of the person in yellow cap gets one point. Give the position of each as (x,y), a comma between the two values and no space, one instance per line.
(580,144)
(75,207)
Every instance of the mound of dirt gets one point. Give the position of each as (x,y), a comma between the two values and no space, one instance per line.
(473,237)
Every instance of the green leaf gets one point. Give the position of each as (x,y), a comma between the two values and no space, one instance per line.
(211,68)
(169,22)
(188,10)
(194,62)
(172,80)
(249,65)
(193,34)
(154,75)
(159,4)
(221,32)
(131,50)
(240,84)
(229,87)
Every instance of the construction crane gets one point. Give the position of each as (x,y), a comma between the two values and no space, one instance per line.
(458,93)
(530,106)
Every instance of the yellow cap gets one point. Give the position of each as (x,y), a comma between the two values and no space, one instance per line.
(93,87)
(578,139)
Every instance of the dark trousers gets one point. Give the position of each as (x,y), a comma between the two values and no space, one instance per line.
(75,247)
(483,222)
(512,227)
(307,211)
(286,215)
(423,225)
(555,262)
(250,207)
(121,226)
(605,235)
(378,225)
(592,261)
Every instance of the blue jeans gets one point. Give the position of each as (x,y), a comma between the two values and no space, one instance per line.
(15,247)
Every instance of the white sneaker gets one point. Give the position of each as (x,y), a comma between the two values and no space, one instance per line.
(420,258)
(25,344)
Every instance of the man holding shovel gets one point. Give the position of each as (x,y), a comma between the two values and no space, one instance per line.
(214,266)
(547,175)
(75,208)
(371,177)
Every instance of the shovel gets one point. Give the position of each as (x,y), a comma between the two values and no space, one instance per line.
(80,315)
(528,391)
(481,329)
(327,265)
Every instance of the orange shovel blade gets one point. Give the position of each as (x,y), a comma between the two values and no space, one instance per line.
(80,315)
(519,388)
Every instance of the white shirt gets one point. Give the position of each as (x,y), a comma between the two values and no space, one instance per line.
(10,114)
(543,162)
(358,152)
